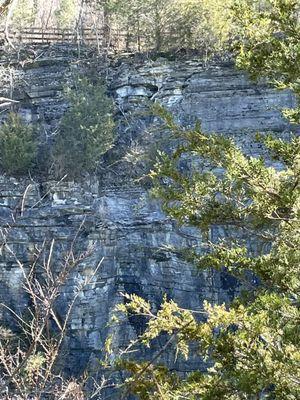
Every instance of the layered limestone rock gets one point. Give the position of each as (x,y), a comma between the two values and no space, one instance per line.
(136,240)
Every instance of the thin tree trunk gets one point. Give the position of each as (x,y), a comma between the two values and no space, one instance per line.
(11,7)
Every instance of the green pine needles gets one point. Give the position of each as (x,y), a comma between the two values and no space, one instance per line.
(87,129)
(253,344)
(18,146)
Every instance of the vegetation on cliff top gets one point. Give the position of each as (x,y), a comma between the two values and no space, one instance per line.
(160,25)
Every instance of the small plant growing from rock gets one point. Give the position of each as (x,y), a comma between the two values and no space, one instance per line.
(87,129)
(18,146)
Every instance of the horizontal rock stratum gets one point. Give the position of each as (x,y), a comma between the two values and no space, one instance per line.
(127,227)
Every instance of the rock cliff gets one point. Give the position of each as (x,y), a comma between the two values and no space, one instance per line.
(130,232)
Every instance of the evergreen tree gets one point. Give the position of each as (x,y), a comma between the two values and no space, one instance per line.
(253,343)
(18,146)
(86,129)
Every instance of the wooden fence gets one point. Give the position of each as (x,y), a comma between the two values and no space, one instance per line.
(114,40)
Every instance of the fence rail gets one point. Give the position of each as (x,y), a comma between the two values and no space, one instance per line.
(102,39)
(32,35)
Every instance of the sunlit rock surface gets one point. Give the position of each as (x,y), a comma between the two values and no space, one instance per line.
(136,240)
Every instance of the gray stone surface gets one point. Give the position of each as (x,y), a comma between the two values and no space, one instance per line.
(130,232)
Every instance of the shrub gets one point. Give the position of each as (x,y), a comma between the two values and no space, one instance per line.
(86,130)
(18,147)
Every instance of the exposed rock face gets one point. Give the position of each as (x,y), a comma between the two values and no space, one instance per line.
(129,230)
